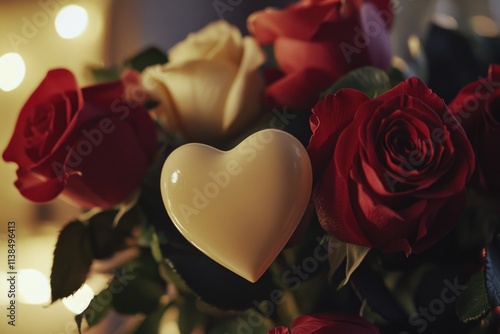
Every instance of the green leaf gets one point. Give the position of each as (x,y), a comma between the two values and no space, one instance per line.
(492,271)
(105,74)
(151,325)
(72,260)
(473,303)
(105,241)
(148,57)
(106,236)
(155,248)
(370,80)
(355,255)
(189,314)
(142,292)
(337,256)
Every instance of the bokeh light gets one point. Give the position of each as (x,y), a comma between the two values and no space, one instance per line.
(34,287)
(71,21)
(12,71)
(78,302)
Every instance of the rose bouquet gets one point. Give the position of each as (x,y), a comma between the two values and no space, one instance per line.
(327,191)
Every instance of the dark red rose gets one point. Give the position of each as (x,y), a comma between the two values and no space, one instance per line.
(87,144)
(328,324)
(477,108)
(279,330)
(316,42)
(390,171)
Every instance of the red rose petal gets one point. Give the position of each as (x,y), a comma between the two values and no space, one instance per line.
(38,189)
(329,117)
(56,82)
(442,223)
(306,54)
(332,323)
(110,169)
(334,204)
(279,330)
(296,21)
(296,91)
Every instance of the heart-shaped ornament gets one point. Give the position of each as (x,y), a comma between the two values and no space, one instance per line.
(239,207)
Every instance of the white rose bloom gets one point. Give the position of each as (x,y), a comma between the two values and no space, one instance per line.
(211,87)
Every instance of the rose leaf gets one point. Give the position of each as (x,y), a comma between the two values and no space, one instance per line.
(148,57)
(369,80)
(152,322)
(355,255)
(473,303)
(338,256)
(105,241)
(138,286)
(72,259)
(105,74)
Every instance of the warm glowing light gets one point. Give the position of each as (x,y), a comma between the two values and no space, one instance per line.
(446,21)
(169,320)
(414,46)
(71,21)
(484,26)
(399,64)
(34,287)
(12,71)
(78,302)
(170,328)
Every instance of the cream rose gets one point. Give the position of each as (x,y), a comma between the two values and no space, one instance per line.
(211,87)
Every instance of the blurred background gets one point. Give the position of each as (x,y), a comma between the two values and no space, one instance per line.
(38,35)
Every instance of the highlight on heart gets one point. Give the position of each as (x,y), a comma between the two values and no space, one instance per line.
(310,167)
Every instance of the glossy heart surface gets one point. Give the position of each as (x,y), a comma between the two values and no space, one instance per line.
(240,206)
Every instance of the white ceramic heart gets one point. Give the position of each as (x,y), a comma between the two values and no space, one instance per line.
(239,207)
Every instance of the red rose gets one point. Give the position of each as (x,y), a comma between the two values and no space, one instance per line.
(328,324)
(316,42)
(88,144)
(279,330)
(477,108)
(391,171)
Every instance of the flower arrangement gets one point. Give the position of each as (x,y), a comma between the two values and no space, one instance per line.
(372,202)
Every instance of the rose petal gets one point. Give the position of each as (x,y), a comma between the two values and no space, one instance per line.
(218,41)
(109,170)
(306,54)
(38,189)
(332,323)
(296,21)
(245,95)
(379,47)
(334,202)
(279,330)
(417,89)
(56,82)
(442,223)
(197,98)
(166,111)
(329,117)
(296,91)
